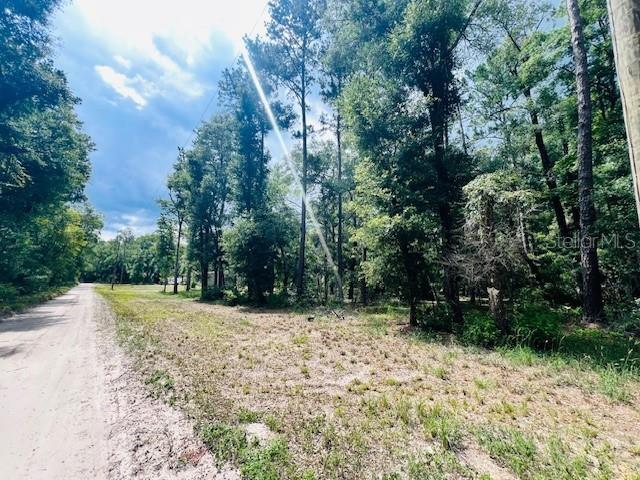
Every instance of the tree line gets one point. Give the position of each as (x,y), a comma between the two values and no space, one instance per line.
(46,225)
(471,154)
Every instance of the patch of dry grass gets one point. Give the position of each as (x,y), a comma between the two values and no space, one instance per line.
(364,397)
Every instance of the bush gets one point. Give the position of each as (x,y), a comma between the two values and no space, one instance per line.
(213,293)
(603,347)
(624,319)
(8,293)
(480,329)
(233,297)
(437,317)
(34,283)
(277,300)
(537,325)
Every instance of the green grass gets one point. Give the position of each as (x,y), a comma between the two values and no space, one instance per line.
(440,372)
(230,444)
(440,424)
(615,384)
(160,382)
(227,443)
(248,416)
(510,447)
(437,466)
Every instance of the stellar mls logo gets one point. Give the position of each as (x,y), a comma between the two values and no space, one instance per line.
(612,240)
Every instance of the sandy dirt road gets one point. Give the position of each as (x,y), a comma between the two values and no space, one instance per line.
(72,406)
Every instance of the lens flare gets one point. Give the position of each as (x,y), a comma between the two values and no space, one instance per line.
(292,168)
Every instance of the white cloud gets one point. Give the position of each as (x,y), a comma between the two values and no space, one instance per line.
(163,37)
(124,62)
(132,25)
(126,87)
(141,222)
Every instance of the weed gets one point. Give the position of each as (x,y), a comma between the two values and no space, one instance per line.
(615,384)
(267,463)
(392,382)
(274,423)
(300,339)
(225,442)
(161,384)
(440,372)
(378,324)
(440,424)
(510,447)
(358,387)
(437,466)
(403,410)
(520,355)
(248,416)
(482,383)
(562,465)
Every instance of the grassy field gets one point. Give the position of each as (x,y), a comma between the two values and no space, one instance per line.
(284,395)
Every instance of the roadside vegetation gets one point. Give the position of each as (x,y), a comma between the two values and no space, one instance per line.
(46,224)
(13,302)
(367,396)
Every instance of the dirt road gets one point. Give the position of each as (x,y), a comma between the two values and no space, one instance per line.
(72,407)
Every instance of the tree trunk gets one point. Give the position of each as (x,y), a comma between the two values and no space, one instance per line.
(124,259)
(303,214)
(115,263)
(204,267)
(496,307)
(411,271)
(592,309)
(450,281)
(495,287)
(177,263)
(285,274)
(340,220)
(364,291)
(624,18)
(547,168)
(188,286)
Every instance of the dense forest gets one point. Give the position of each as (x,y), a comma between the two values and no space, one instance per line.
(471,157)
(46,225)
(459,163)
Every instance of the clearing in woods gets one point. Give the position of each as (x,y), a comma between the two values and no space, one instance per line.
(284,396)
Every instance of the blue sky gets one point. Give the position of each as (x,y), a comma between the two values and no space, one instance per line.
(145,71)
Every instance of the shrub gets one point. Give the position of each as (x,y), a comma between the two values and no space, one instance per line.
(537,325)
(437,317)
(233,297)
(34,283)
(8,293)
(480,329)
(213,293)
(277,300)
(624,320)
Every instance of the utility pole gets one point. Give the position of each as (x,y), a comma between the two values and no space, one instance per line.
(624,19)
